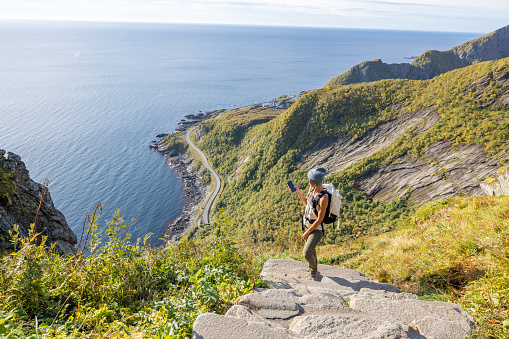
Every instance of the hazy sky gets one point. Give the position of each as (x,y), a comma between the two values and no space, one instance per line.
(431,15)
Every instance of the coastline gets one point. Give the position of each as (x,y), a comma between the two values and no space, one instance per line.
(193,191)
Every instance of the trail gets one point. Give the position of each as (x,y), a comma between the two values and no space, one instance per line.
(217,180)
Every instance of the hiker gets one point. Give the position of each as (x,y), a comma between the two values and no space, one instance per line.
(313,226)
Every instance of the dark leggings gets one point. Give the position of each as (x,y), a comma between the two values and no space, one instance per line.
(309,251)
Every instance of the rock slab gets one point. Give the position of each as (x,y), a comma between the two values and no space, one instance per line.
(342,304)
(20,208)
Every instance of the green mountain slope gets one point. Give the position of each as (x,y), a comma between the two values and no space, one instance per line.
(467,115)
(493,46)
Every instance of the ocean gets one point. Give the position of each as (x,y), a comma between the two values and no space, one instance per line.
(81,102)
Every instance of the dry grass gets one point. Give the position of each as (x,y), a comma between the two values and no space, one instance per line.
(451,250)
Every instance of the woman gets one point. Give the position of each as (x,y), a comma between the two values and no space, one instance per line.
(313,217)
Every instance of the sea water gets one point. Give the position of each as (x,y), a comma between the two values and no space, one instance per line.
(81,102)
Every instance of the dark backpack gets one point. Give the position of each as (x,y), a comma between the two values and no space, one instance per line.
(329,218)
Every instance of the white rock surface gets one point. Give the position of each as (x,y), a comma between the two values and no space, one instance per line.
(343,304)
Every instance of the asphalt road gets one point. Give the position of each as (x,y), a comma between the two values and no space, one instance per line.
(210,200)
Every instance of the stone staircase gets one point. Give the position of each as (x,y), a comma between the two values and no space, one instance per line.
(343,304)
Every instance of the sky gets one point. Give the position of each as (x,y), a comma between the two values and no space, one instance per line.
(425,15)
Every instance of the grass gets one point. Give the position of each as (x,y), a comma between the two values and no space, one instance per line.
(453,250)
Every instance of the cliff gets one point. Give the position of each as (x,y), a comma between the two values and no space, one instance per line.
(19,200)
(493,46)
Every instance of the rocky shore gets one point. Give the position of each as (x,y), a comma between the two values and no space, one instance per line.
(194,192)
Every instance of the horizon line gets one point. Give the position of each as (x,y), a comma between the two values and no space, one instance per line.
(229,24)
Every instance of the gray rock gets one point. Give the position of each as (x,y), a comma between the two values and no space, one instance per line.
(245,313)
(351,326)
(272,304)
(344,304)
(386,294)
(498,185)
(449,171)
(9,156)
(410,311)
(440,328)
(210,325)
(22,208)
(357,285)
(338,153)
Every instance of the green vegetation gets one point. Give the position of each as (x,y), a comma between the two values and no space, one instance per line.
(448,250)
(7,185)
(434,63)
(120,290)
(176,142)
(257,151)
(354,74)
(454,250)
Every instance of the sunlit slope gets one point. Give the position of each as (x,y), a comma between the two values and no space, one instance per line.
(257,151)
(452,250)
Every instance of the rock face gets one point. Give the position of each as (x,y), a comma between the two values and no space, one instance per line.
(21,207)
(493,46)
(443,171)
(338,153)
(343,304)
(447,172)
(498,185)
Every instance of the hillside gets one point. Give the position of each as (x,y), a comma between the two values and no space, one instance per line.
(389,146)
(492,46)
(453,250)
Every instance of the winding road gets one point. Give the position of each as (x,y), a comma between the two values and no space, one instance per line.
(217,187)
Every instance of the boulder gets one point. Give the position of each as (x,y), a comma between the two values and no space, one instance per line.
(499,185)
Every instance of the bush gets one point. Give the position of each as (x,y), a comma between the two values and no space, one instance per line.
(119,289)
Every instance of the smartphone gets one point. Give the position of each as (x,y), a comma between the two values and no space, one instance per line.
(292,187)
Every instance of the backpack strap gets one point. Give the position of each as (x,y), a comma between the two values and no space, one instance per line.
(317,199)
(315,203)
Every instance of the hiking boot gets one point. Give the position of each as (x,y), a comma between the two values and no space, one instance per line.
(313,276)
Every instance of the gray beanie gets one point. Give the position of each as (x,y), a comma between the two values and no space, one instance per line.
(316,175)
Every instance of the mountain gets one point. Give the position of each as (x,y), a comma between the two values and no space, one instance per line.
(388,146)
(19,201)
(493,46)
